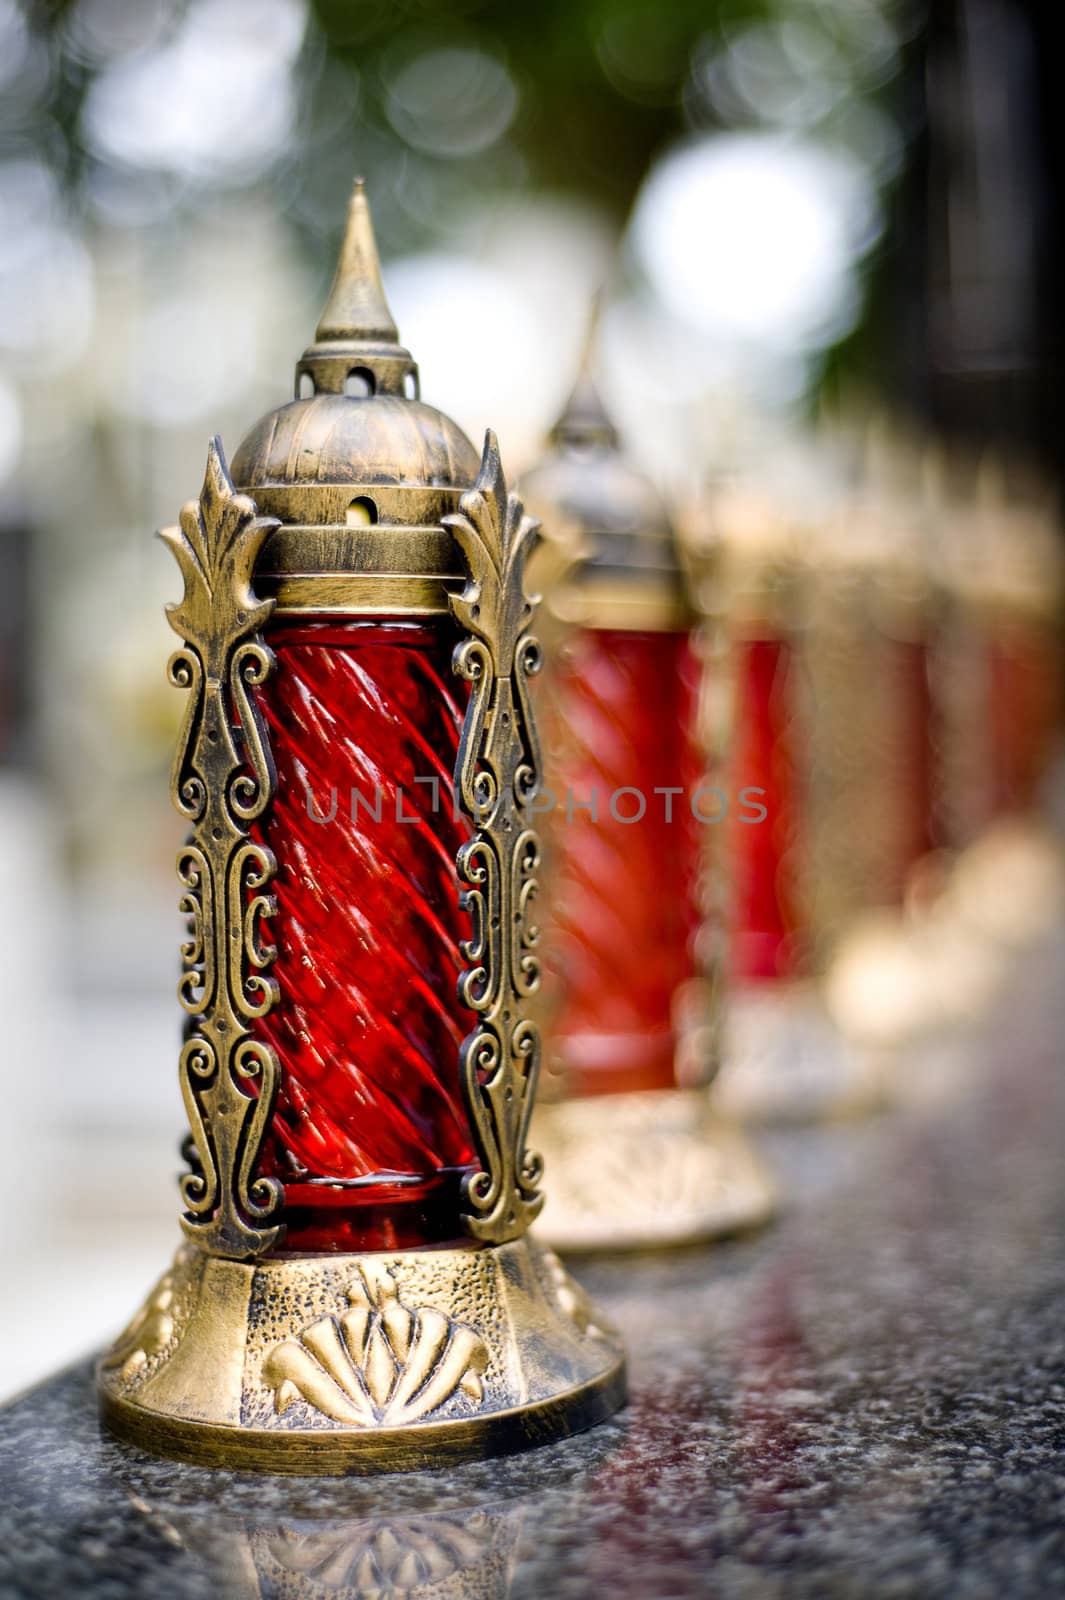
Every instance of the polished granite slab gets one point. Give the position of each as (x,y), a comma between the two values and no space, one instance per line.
(866,1400)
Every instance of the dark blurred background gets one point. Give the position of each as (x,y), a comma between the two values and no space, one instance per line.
(798,208)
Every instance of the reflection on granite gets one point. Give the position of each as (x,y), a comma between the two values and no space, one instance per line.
(867,1401)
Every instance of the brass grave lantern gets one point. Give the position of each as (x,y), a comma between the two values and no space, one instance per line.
(783,1058)
(357,1288)
(638,1156)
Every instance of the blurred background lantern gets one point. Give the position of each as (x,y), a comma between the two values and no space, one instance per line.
(869,718)
(636,1155)
(988,561)
(781,1056)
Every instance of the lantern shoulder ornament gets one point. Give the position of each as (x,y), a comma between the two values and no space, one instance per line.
(357,1290)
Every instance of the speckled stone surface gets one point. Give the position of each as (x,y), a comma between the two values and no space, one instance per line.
(867,1400)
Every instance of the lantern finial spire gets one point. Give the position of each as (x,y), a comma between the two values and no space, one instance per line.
(357,309)
(356,349)
(584,419)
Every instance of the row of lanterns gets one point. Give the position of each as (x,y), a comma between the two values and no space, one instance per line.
(475,946)
(845,698)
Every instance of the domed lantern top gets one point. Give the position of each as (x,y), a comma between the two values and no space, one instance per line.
(357,450)
(592,495)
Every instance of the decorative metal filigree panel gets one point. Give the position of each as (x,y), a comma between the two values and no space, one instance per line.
(222,781)
(496,776)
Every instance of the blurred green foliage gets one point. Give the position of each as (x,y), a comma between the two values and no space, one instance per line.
(601,81)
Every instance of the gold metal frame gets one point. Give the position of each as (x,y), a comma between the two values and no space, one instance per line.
(496,776)
(221,791)
(382,1362)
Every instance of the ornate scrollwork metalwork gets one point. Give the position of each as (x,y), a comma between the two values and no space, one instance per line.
(222,780)
(497,774)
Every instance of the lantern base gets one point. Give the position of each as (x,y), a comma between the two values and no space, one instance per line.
(360,1363)
(647,1170)
(785,1061)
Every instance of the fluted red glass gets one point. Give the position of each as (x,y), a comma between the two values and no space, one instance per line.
(1024,712)
(765,922)
(624,917)
(369,1135)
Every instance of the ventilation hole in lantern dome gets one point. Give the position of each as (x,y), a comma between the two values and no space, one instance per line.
(362,513)
(306,390)
(359,384)
(410,386)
